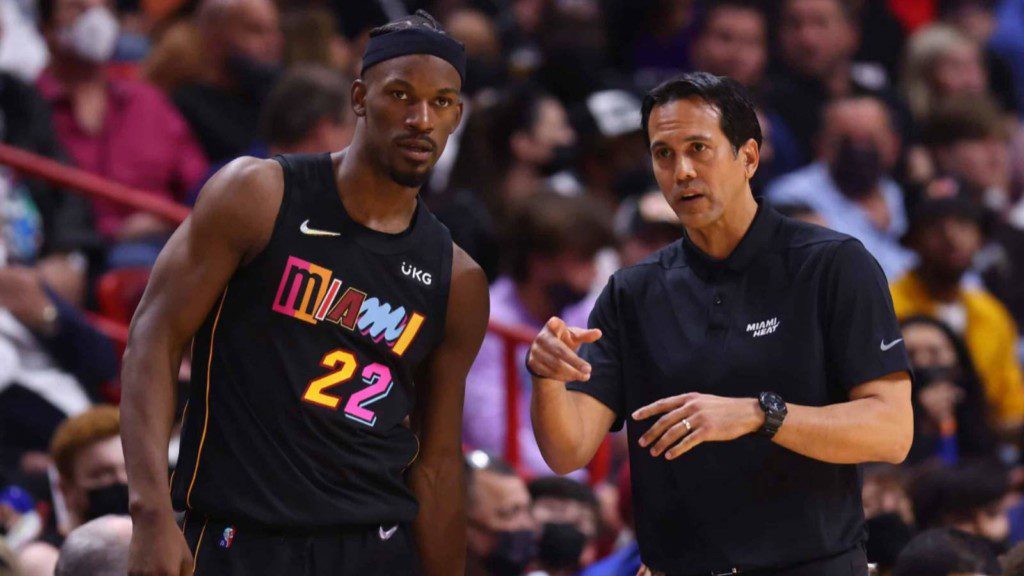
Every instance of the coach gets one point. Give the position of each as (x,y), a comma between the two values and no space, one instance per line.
(758,361)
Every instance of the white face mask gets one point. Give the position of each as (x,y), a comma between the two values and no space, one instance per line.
(92,36)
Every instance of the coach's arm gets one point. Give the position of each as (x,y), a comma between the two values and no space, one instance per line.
(230,224)
(437,475)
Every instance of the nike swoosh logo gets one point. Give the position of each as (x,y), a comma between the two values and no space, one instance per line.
(386,534)
(890,344)
(305,229)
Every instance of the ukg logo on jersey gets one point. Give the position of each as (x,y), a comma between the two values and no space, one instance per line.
(310,293)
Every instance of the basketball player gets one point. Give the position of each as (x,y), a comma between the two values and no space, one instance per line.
(328,366)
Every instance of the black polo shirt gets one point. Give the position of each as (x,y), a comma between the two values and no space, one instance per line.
(796,309)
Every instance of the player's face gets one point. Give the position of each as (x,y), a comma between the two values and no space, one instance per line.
(700,174)
(410,106)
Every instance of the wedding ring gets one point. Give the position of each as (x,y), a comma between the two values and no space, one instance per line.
(687,424)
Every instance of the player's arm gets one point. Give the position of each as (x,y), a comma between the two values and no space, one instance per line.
(875,425)
(231,222)
(569,425)
(437,476)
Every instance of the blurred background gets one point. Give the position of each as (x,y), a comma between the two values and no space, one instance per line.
(895,121)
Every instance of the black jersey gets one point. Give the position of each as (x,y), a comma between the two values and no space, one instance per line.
(302,374)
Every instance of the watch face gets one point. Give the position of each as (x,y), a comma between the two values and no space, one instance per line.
(773,402)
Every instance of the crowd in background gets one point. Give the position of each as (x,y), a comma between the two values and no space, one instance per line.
(897,122)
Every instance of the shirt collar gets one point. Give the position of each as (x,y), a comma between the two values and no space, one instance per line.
(54,90)
(754,242)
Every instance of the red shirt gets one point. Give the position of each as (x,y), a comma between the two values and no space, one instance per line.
(144,143)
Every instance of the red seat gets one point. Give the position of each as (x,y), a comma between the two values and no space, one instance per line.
(118,292)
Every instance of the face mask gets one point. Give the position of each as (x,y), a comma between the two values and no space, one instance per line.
(925,375)
(92,36)
(562,158)
(254,77)
(856,169)
(110,499)
(514,550)
(561,546)
(563,295)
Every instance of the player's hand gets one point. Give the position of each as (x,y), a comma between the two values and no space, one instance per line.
(710,419)
(158,548)
(553,352)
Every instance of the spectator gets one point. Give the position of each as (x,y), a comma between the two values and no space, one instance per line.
(64,222)
(1008,40)
(8,566)
(501,535)
(941,62)
(850,184)
(310,37)
(888,512)
(121,129)
(1013,561)
(485,68)
(23,51)
(625,561)
(645,224)
(967,137)
(949,402)
(97,548)
(614,162)
(567,514)
(732,40)
(552,243)
(946,235)
(308,112)
(977,20)
(971,498)
(514,148)
(242,46)
(945,552)
(817,42)
(92,481)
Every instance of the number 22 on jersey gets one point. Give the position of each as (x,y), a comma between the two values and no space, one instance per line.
(343,366)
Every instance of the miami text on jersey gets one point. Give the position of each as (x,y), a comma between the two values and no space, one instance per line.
(308,292)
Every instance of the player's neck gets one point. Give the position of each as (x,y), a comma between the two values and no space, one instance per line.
(370,197)
(719,238)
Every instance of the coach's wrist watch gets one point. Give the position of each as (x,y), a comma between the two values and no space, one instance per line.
(774,413)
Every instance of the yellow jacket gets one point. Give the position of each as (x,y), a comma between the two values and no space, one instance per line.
(991,338)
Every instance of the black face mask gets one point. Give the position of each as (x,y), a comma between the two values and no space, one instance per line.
(253,77)
(563,295)
(110,499)
(856,169)
(561,546)
(562,158)
(514,550)
(926,375)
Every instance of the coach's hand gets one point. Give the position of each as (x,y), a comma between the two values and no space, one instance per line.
(690,419)
(553,352)
(158,548)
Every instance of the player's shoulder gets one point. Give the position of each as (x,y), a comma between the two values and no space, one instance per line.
(244,184)
(241,201)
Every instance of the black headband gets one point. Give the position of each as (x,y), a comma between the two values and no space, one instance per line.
(415,41)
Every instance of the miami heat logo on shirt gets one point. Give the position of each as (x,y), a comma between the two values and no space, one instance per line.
(308,293)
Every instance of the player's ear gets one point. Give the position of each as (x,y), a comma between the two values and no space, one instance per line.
(359,90)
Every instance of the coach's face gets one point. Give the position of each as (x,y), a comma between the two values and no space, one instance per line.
(698,171)
(409,107)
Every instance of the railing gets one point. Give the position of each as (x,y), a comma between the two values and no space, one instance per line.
(92,186)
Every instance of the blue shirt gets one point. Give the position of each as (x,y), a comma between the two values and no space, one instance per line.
(813,186)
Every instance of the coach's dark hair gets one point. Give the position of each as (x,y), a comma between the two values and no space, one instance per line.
(737,117)
(301,99)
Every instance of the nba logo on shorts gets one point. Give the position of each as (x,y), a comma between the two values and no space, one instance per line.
(227,537)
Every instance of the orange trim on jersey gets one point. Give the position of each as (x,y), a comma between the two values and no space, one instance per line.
(199,544)
(411,329)
(206,416)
